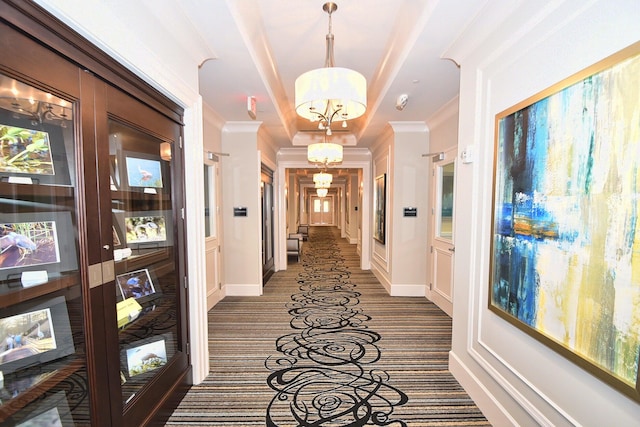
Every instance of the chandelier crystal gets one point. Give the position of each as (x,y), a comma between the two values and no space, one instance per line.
(330,93)
(322,192)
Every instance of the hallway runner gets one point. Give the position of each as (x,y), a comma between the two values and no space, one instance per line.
(326,346)
(326,375)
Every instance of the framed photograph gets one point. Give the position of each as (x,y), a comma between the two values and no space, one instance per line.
(145,229)
(32,151)
(143,172)
(566,219)
(379,208)
(35,242)
(136,284)
(37,334)
(145,355)
(53,411)
(29,243)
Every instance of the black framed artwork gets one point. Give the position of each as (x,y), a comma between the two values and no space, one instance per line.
(33,152)
(143,172)
(135,284)
(143,356)
(37,241)
(35,333)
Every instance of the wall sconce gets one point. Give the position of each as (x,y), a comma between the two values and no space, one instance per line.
(165,151)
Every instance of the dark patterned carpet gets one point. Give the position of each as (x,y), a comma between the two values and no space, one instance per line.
(326,346)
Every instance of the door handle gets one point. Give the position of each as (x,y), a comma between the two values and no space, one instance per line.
(452,249)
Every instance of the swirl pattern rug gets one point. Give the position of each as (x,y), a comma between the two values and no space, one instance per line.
(326,346)
(326,372)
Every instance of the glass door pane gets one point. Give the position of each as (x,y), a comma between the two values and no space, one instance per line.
(209,197)
(42,346)
(445,201)
(145,256)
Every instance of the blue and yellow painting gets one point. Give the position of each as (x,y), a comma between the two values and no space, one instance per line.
(566,231)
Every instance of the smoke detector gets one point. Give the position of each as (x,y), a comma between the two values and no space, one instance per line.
(401,102)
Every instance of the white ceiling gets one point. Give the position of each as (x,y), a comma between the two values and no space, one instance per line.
(262,46)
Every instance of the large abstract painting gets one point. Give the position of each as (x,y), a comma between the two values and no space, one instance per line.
(565,258)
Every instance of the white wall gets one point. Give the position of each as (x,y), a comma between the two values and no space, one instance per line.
(241,189)
(512,51)
(382,162)
(409,188)
(443,128)
(351,205)
(400,263)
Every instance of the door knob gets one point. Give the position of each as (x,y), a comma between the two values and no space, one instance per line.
(452,249)
(106,247)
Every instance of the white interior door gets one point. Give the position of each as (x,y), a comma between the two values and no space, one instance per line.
(212,241)
(442,252)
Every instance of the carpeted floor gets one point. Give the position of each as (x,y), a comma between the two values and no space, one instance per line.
(326,346)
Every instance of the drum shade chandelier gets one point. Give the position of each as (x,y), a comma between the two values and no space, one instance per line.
(330,93)
(324,153)
(322,179)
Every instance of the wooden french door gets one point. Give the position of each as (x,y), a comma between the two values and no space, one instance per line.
(322,210)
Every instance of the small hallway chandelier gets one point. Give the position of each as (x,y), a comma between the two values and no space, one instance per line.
(322,179)
(324,153)
(330,93)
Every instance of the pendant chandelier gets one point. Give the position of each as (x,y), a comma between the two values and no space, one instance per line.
(322,192)
(324,153)
(322,179)
(330,93)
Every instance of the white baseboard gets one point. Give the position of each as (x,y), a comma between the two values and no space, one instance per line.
(381,278)
(214,296)
(243,289)
(399,290)
(490,407)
